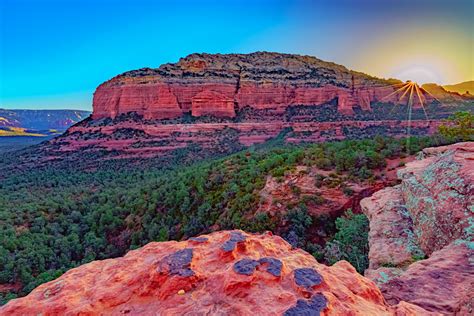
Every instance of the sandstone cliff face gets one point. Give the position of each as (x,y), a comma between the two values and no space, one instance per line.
(259,80)
(139,139)
(430,214)
(224,273)
(222,103)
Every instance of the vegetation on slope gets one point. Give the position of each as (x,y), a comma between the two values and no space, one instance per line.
(54,219)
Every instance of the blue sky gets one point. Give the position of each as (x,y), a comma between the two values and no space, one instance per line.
(54,53)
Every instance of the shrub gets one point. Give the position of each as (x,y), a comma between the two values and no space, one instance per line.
(460,126)
(350,242)
(299,222)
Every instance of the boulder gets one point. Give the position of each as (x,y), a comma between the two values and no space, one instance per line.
(223,273)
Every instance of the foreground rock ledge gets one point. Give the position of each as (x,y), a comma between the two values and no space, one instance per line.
(422,232)
(224,273)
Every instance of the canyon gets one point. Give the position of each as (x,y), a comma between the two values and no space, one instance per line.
(420,261)
(212,105)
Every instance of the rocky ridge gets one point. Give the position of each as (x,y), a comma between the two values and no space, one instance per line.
(223,273)
(421,250)
(429,215)
(223,84)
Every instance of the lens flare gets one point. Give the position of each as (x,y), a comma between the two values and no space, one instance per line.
(413,94)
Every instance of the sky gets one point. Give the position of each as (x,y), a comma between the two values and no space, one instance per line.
(54,53)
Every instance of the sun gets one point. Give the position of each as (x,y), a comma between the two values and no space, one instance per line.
(418,73)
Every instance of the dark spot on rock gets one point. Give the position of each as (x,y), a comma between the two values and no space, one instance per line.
(274,265)
(235,237)
(312,307)
(178,263)
(198,239)
(307,277)
(245,266)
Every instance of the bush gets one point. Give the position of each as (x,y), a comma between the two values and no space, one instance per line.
(299,222)
(350,242)
(460,126)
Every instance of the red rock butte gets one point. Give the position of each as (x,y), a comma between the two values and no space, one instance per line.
(221,85)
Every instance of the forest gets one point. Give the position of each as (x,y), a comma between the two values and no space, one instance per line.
(54,219)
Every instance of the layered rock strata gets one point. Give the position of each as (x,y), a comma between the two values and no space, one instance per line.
(221,85)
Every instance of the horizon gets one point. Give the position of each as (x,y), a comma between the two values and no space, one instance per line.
(76,49)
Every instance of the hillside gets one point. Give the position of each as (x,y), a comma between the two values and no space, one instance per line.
(69,214)
(461,88)
(118,180)
(422,240)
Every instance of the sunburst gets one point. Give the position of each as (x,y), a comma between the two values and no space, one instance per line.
(413,92)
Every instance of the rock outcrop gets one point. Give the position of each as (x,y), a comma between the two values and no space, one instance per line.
(222,103)
(430,214)
(224,273)
(212,84)
(219,104)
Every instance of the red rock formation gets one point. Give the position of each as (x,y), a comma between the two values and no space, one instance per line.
(245,100)
(429,214)
(152,139)
(278,195)
(212,103)
(224,273)
(258,80)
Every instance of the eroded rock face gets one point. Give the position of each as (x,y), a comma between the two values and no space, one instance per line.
(261,275)
(147,138)
(430,214)
(214,83)
(213,103)
(217,103)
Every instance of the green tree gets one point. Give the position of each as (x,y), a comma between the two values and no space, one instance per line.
(350,242)
(460,126)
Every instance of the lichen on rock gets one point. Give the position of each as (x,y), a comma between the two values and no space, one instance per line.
(430,214)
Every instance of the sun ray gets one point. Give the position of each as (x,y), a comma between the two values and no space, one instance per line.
(410,107)
(407,87)
(420,97)
(435,98)
(410,86)
(394,92)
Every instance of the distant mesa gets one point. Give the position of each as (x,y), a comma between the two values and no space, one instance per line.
(222,103)
(38,122)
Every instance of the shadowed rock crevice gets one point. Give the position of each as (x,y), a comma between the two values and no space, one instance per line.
(273,265)
(248,266)
(245,266)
